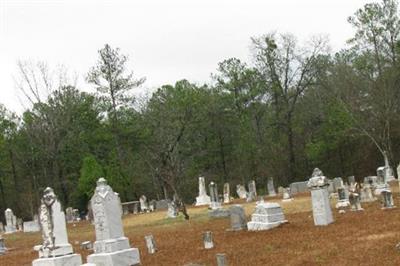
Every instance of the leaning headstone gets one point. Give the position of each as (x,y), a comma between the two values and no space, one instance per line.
(267,215)
(252,195)
(227,194)
(238,218)
(55,249)
(387,199)
(221,259)
(3,248)
(203,198)
(151,244)
(214,204)
(322,212)
(241,191)
(111,247)
(11,221)
(208,240)
(144,207)
(270,186)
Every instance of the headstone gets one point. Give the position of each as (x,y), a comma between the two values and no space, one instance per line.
(3,248)
(270,186)
(267,215)
(366,194)
(280,190)
(241,191)
(381,183)
(214,204)
(351,180)
(69,214)
(11,221)
(111,247)
(287,196)
(337,183)
(208,240)
(238,218)
(322,212)
(144,207)
(252,195)
(221,259)
(343,201)
(299,187)
(172,211)
(355,197)
(331,188)
(20,224)
(31,226)
(161,204)
(55,249)
(152,205)
(151,244)
(227,194)
(203,198)
(387,199)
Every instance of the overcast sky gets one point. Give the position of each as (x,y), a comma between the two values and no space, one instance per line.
(166,40)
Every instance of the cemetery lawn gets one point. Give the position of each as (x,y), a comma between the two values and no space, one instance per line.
(355,238)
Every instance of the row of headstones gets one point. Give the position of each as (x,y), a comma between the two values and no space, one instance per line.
(14,224)
(111,246)
(143,206)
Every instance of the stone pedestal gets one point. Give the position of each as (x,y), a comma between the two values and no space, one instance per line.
(124,257)
(267,215)
(318,184)
(66,260)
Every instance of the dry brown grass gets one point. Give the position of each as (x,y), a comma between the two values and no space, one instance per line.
(362,238)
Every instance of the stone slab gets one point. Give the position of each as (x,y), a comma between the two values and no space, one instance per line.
(126,257)
(218,213)
(258,226)
(67,260)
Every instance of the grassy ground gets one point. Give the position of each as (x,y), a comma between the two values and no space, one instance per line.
(356,238)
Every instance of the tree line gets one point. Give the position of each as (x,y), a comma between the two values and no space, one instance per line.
(296,106)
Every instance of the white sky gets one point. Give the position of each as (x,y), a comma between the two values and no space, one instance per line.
(166,40)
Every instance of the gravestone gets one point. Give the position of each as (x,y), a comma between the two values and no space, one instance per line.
(20,224)
(267,215)
(351,180)
(214,204)
(11,221)
(381,183)
(151,244)
(221,259)
(31,226)
(69,214)
(111,247)
(76,216)
(343,201)
(322,212)
(337,183)
(203,198)
(366,194)
(241,191)
(227,194)
(387,199)
(172,211)
(144,207)
(152,205)
(252,195)
(287,196)
(270,186)
(161,204)
(3,248)
(298,187)
(238,218)
(208,240)
(55,249)
(355,197)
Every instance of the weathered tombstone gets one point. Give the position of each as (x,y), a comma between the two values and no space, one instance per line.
(322,212)
(227,194)
(241,191)
(351,180)
(280,190)
(55,249)
(111,247)
(221,259)
(342,202)
(152,205)
(270,186)
(161,204)
(144,207)
(69,215)
(381,183)
(208,240)
(203,198)
(11,221)
(31,226)
(3,248)
(20,224)
(267,215)
(214,204)
(151,244)
(387,199)
(238,218)
(298,187)
(136,207)
(354,197)
(337,183)
(252,195)
(172,211)
(287,196)
(366,193)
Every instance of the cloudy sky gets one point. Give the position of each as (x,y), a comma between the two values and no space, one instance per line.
(166,40)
